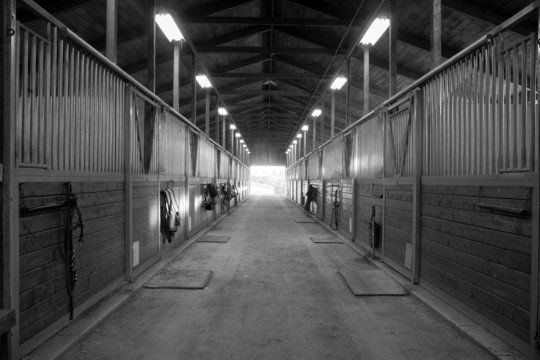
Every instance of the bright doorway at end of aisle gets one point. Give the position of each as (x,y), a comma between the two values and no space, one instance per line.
(267,180)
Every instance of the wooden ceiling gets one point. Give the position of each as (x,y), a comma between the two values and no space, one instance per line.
(272,61)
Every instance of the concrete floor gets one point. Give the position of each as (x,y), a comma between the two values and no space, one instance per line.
(274,295)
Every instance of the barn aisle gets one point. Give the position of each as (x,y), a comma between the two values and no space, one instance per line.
(274,294)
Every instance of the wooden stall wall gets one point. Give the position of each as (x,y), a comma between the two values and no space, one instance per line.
(100,257)
(479,253)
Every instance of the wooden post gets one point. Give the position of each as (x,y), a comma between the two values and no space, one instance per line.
(392,74)
(176,75)
(333,114)
(418,121)
(314,133)
(128,187)
(223,130)
(9,342)
(366,78)
(207,113)
(151,43)
(436,29)
(321,120)
(535,248)
(348,94)
(194,92)
(112,30)
(217,119)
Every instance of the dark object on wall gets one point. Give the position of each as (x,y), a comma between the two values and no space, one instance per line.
(170,215)
(311,196)
(374,232)
(335,210)
(209,193)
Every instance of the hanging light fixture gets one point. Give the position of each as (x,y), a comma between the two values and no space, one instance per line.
(338,83)
(203,81)
(222,111)
(316,112)
(168,26)
(375,31)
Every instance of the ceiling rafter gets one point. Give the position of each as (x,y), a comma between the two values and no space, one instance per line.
(212,8)
(252,20)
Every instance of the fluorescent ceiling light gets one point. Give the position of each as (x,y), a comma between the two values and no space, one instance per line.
(338,83)
(166,23)
(232,127)
(244,145)
(305,128)
(375,31)
(299,135)
(237,135)
(316,113)
(222,111)
(295,142)
(203,81)
(241,141)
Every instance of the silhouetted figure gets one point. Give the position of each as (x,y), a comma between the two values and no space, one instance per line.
(311,195)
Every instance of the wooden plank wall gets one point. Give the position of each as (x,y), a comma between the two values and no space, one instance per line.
(480,256)
(368,196)
(43,293)
(398,225)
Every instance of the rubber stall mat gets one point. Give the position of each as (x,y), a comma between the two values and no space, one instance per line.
(214,238)
(167,278)
(326,240)
(305,220)
(372,283)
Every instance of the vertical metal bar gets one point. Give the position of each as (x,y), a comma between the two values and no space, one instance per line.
(176,75)
(111,30)
(347,95)
(128,187)
(207,113)
(33,133)
(514,109)
(223,130)
(151,45)
(392,72)
(535,249)
(40,92)
(366,78)
(70,138)
(62,86)
(194,91)
(418,120)
(333,114)
(54,100)
(314,133)
(436,30)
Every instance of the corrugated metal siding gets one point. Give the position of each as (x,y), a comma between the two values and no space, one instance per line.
(313,168)
(369,152)
(173,147)
(207,154)
(332,167)
(302,170)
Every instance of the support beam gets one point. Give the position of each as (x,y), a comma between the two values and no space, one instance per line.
(112,30)
(366,79)
(265,92)
(176,75)
(214,7)
(9,251)
(194,92)
(392,50)
(333,115)
(263,50)
(207,113)
(151,46)
(348,91)
(436,30)
(264,76)
(269,21)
